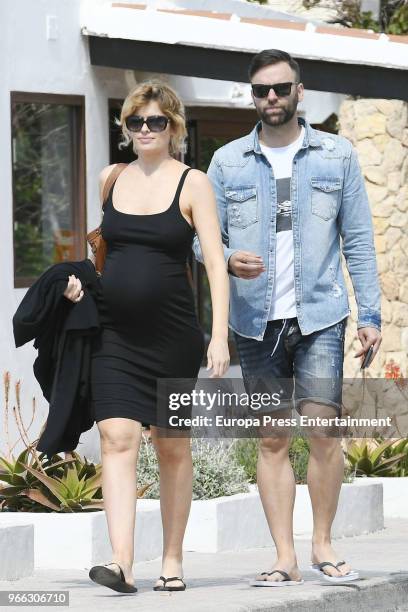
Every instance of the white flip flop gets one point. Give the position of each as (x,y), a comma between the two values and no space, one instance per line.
(287,581)
(317,568)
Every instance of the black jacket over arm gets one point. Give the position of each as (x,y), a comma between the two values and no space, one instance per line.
(63,331)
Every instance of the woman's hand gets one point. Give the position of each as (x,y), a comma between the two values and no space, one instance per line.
(74,291)
(218,356)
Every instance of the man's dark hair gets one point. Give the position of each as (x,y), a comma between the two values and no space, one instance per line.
(272,56)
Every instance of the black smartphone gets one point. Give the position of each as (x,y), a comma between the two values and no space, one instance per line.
(367,358)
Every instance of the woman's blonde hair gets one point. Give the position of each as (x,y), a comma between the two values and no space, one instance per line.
(170,105)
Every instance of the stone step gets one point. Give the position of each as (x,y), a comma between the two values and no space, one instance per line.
(16,550)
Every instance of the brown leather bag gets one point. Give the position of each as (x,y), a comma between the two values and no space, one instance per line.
(95,239)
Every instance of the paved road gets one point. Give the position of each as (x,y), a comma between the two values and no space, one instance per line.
(219,582)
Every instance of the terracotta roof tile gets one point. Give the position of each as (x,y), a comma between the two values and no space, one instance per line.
(272,23)
(352,32)
(126,5)
(398,38)
(275,23)
(197,13)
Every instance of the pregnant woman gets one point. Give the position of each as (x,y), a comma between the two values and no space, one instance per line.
(149,325)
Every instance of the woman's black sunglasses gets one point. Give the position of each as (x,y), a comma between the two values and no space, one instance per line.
(280,89)
(155,123)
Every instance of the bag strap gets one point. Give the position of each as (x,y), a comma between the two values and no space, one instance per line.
(113,175)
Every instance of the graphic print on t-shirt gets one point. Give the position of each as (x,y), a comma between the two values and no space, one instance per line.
(283,304)
(284,205)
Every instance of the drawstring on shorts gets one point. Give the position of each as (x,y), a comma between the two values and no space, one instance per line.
(280,333)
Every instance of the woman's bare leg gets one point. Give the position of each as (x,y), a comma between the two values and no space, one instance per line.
(120,442)
(176,484)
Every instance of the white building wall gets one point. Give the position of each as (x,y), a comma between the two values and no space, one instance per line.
(30,62)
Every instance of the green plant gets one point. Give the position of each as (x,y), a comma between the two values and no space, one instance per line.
(399,447)
(392,17)
(34,482)
(375,457)
(398,23)
(299,450)
(147,468)
(56,484)
(246,453)
(216,470)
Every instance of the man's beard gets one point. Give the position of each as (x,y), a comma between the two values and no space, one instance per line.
(282,117)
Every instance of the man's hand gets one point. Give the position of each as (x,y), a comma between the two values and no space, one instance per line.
(368,336)
(245,264)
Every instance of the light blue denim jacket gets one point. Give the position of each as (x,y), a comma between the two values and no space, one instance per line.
(329,201)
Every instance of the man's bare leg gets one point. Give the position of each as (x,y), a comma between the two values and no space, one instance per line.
(324,478)
(277,489)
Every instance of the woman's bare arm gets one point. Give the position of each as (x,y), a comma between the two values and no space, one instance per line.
(205,219)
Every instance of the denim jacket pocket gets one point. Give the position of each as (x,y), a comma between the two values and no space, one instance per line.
(242,206)
(325,196)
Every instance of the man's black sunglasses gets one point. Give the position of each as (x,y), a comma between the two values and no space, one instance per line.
(280,89)
(155,123)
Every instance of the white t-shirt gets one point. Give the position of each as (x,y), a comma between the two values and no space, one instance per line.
(283,299)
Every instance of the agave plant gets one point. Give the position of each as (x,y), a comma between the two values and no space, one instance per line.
(24,491)
(374,458)
(399,447)
(75,490)
(34,482)
(59,485)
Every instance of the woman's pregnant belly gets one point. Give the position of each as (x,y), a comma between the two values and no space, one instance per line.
(141,284)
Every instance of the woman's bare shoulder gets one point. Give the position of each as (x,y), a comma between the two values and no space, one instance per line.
(197,182)
(197,177)
(103,175)
(105,172)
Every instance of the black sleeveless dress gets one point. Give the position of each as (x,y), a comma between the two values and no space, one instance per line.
(147,312)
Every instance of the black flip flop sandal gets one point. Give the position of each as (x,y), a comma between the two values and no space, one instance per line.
(287,580)
(317,568)
(170,588)
(101,574)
